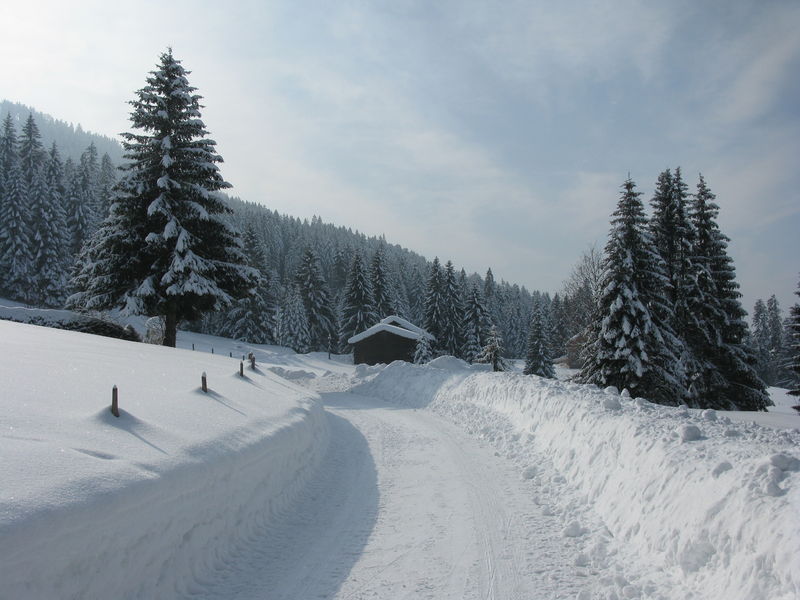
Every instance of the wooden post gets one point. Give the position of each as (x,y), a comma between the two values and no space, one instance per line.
(192,347)
(230,354)
(114,402)
(241,369)
(203,382)
(212,349)
(252,358)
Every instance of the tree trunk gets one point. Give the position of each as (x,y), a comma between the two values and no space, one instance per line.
(170,326)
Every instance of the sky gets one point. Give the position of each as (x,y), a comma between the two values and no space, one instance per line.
(492,134)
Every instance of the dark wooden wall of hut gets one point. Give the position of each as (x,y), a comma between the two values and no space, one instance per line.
(383,347)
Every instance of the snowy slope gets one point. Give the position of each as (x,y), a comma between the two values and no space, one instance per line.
(687,501)
(93,506)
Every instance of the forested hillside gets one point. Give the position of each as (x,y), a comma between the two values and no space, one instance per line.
(71,139)
(52,200)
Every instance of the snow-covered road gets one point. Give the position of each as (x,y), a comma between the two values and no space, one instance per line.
(406,506)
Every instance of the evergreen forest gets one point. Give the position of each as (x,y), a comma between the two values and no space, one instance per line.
(151,231)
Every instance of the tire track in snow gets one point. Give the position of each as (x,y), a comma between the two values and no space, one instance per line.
(406,506)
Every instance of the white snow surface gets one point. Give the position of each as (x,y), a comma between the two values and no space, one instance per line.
(660,502)
(440,481)
(94,506)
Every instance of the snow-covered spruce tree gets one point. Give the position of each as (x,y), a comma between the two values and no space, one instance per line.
(514,324)
(489,288)
(492,353)
(476,325)
(54,174)
(9,155)
(106,180)
(423,353)
(793,347)
(777,339)
(358,313)
(88,171)
(31,153)
(339,268)
(316,297)
(415,292)
(164,249)
(728,379)
(43,202)
(672,234)
(383,296)
(435,309)
(16,268)
(291,322)
(47,273)
(767,340)
(625,348)
(537,358)
(14,238)
(252,318)
(451,340)
(759,341)
(400,296)
(78,217)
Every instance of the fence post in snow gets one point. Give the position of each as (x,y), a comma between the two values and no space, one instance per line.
(252,358)
(241,369)
(212,349)
(193,347)
(114,402)
(203,383)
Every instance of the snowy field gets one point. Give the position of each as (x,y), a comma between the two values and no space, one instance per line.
(94,506)
(312,478)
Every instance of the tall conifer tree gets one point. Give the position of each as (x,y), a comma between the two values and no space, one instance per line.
(793,347)
(16,268)
(453,314)
(727,378)
(760,342)
(537,357)
(316,296)
(626,348)
(435,309)
(384,301)
(358,312)
(252,318)
(165,249)
(291,322)
(476,325)
(106,180)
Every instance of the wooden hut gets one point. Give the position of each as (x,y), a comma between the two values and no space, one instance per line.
(392,339)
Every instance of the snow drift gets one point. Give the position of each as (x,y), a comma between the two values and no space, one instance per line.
(708,503)
(93,506)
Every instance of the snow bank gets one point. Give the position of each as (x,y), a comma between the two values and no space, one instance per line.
(93,506)
(448,363)
(706,502)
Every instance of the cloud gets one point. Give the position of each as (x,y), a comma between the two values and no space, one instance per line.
(541,44)
(766,60)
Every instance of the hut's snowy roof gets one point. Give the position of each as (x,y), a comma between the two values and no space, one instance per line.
(402,328)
